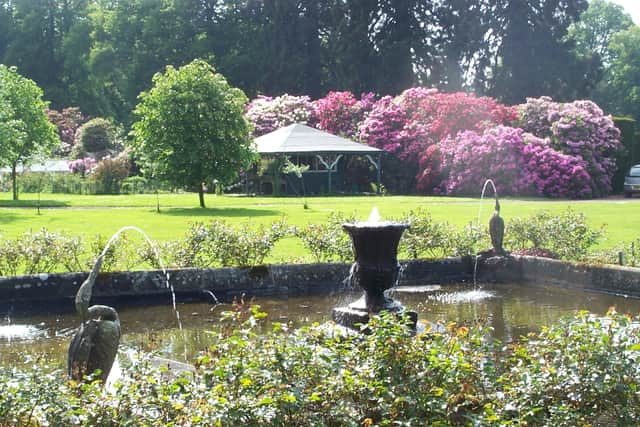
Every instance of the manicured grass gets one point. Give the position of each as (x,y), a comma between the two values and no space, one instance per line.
(91,215)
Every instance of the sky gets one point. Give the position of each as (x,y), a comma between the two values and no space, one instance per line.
(632,7)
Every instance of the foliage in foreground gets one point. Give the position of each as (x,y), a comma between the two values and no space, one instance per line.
(583,371)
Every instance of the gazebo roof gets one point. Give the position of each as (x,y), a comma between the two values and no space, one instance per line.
(302,139)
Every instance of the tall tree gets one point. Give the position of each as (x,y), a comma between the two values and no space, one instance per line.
(533,58)
(597,25)
(24,127)
(398,38)
(620,91)
(134,40)
(191,128)
(6,25)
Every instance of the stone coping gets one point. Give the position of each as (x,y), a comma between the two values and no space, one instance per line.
(545,271)
(40,291)
(46,291)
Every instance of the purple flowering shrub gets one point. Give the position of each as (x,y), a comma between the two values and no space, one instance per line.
(551,173)
(267,114)
(580,129)
(341,113)
(518,162)
(67,121)
(533,116)
(469,158)
(410,124)
(82,166)
(389,127)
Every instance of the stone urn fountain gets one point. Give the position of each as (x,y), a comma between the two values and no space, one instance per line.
(375,270)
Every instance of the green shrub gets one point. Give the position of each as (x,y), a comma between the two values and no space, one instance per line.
(567,235)
(33,182)
(425,236)
(123,253)
(583,372)
(135,185)
(629,155)
(470,240)
(95,136)
(630,254)
(109,174)
(10,258)
(219,244)
(327,241)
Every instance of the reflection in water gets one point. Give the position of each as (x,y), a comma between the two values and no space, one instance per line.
(510,310)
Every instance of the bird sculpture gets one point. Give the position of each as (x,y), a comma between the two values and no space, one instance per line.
(95,344)
(496,230)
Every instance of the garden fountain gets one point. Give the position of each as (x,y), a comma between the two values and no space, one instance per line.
(94,346)
(375,270)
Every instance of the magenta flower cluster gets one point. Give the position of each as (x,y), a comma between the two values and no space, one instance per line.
(409,124)
(579,129)
(518,162)
(470,157)
(341,113)
(82,166)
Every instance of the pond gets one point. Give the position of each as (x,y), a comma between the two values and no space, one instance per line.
(511,311)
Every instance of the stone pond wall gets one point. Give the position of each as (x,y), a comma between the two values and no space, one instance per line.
(57,291)
(527,270)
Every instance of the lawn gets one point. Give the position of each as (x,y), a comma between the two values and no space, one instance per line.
(91,215)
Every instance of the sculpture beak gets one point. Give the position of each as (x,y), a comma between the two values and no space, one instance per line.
(83,297)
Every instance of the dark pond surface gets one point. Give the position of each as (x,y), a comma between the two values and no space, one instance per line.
(511,310)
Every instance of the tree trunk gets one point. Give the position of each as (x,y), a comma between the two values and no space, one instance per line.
(14,178)
(201,196)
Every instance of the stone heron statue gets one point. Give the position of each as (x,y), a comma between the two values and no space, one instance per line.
(95,344)
(496,230)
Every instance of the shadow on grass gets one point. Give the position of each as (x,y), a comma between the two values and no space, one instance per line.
(7,217)
(219,212)
(44,203)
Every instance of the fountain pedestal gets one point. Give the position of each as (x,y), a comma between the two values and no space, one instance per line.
(375,270)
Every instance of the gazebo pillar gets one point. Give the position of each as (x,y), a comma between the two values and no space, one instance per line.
(330,162)
(378,165)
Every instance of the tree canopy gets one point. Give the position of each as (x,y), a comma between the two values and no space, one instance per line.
(191,129)
(623,77)
(99,55)
(24,128)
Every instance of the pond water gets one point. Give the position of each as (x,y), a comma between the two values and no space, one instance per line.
(511,310)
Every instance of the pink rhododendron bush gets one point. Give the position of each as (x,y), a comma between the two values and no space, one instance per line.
(518,162)
(409,124)
(579,129)
(341,113)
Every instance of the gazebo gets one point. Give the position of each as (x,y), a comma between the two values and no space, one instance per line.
(301,140)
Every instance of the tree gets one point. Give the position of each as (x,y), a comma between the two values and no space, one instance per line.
(622,82)
(24,127)
(533,56)
(597,25)
(191,129)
